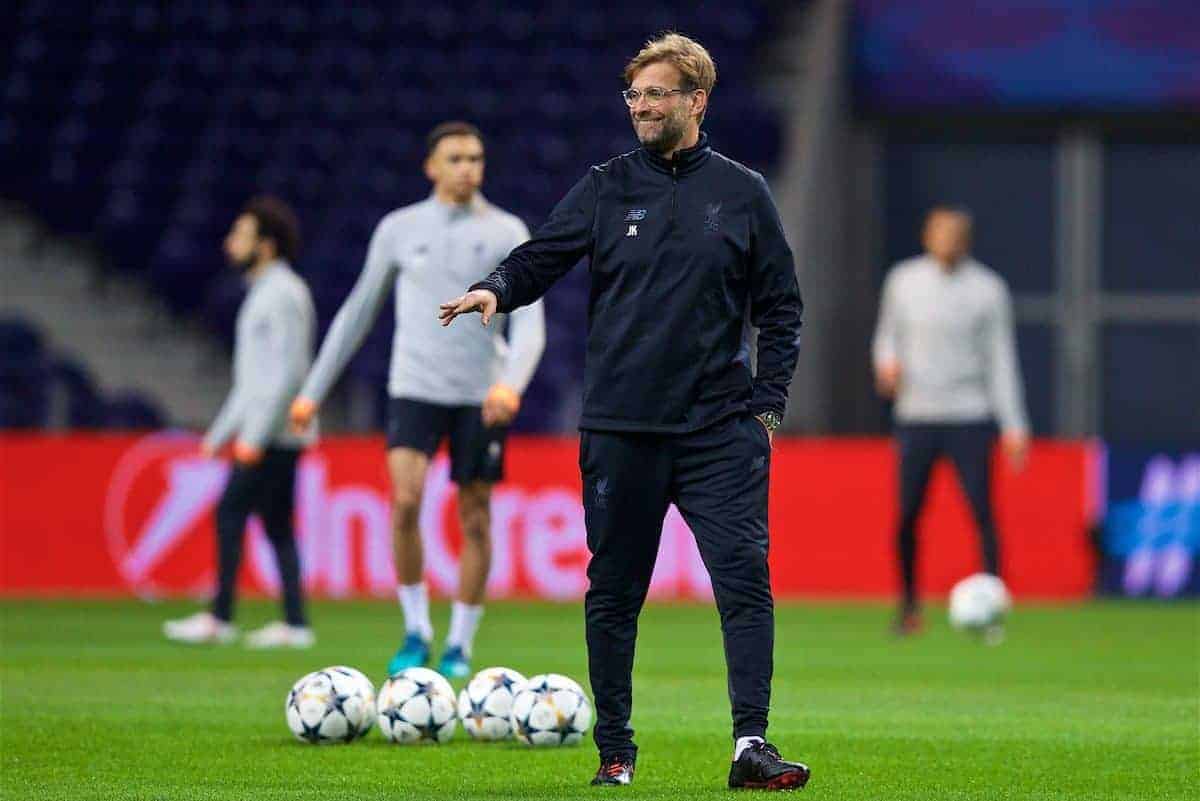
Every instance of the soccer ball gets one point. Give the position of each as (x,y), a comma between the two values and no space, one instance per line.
(979,601)
(334,705)
(486,702)
(416,706)
(367,688)
(550,709)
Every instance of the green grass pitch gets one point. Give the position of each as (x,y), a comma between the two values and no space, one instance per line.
(1100,701)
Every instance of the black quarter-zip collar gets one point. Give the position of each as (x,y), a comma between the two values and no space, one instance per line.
(684,161)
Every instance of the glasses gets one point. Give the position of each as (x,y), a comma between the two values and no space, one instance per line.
(653,95)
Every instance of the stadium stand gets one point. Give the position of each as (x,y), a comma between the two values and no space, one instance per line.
(111,129)
(40,388)
(23,376)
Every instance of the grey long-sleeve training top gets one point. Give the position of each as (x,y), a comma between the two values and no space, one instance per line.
(276,325)
(951,332)
(429,251)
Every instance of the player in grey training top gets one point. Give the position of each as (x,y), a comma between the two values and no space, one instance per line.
(944,350)
(273,350)
(428,251)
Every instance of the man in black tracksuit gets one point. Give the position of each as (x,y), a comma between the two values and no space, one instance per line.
(682,243)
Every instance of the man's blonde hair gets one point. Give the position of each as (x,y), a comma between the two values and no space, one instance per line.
(685,54)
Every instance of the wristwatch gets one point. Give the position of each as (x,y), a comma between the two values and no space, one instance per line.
(770,419)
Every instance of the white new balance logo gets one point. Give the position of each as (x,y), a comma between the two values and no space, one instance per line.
(632,231)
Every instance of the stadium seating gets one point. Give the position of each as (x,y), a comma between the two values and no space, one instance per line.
(23,396)
(145,125)
(40,388)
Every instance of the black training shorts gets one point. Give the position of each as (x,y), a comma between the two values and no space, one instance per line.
(476,451)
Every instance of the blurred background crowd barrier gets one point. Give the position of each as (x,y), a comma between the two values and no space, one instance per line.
(140,522)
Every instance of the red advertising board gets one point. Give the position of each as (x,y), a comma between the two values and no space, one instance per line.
(104,515)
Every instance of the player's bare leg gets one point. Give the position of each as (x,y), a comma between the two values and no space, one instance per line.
(407,467)
(474,514)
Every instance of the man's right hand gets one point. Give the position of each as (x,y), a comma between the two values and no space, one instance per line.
(887,378)
(483,301)
(301,414)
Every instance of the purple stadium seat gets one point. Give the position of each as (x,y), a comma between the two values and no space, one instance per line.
(151,142)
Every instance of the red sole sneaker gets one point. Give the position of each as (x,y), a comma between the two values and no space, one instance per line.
(795,780)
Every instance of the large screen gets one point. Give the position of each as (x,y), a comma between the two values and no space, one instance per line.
(1047,56)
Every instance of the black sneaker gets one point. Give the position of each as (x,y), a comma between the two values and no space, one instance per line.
(908,622)
(614,770)
(761,768)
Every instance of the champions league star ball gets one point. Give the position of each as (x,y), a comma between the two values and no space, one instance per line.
(979,602)
(367,688)
(416,706)
(334,705)
(485,704)
(550,710)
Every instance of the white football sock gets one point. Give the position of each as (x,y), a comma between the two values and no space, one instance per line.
(414,600)
(742,744)
(464,619)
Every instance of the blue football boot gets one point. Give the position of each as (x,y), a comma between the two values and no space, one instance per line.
(413,653)
(454,664)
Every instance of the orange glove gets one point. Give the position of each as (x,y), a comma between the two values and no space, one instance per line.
(500,406)
(245,454)
(301,414)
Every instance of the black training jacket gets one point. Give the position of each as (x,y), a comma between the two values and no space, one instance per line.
(685,255)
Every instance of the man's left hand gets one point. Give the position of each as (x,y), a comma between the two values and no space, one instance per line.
(1016,446)
(500,406)
(246,454)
